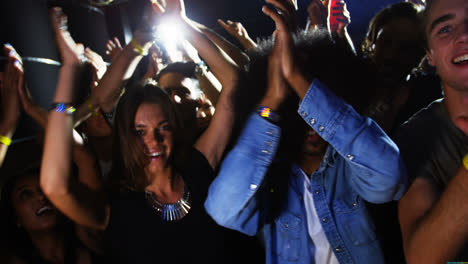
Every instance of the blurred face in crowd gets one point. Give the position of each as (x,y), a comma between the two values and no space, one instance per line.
(447,39)
(33,211)
(172,79)
(397,49)
(204,114)
(153,129)
(177,86)
(313,144)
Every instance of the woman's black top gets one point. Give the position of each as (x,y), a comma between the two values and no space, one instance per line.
(137,234)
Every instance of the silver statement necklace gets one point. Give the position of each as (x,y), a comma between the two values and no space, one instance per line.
(170,212)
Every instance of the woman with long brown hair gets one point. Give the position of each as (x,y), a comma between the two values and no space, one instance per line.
(157,214)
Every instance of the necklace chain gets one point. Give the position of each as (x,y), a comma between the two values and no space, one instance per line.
(170,212)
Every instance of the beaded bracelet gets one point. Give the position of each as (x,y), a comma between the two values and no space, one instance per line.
(268,114)
(91,107)
(5,141)
(66,108)
(465,161)
(138,48)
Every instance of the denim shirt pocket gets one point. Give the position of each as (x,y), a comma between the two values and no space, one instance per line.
(289,229)
(348,205)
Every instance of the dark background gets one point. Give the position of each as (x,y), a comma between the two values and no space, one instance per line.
(25,25)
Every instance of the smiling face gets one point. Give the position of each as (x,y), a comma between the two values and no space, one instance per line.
(155,134)
(447,35)
(33,211)
(447,38)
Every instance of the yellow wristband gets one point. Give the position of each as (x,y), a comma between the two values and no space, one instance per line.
(465,161)
(91,107)
(138,48)
(5,141)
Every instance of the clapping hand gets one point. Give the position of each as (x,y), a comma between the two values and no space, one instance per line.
(237,30)
(71,53)
(318,14)
(13,78)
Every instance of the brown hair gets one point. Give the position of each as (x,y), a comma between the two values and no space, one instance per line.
(391,12)
(129,158)
(425,20)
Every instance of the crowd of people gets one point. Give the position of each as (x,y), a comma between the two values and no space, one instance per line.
(299,147)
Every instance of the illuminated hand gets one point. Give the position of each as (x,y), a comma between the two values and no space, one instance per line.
(98,65)
(287,9)
(113,48)
(155,62)
(237,30)
(318,14)
(283,53)
(283,49)
(13,78)
(70,52)
(174,8)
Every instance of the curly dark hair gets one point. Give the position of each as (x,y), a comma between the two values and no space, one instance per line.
(345,74)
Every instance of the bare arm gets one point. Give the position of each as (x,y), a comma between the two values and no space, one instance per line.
(108,91)
(98,68)
(213,141)
(10,105)
(239,57)
(209,84)
(82,204)
(434,226)
(284,49)
(237,30)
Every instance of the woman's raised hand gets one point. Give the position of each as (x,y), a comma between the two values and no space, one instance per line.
(71,53)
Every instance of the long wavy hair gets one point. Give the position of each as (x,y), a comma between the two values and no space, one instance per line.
(129,158)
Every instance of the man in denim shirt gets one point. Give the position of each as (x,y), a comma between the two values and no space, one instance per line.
(321,218)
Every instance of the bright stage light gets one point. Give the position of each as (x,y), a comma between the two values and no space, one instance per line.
(169,33)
